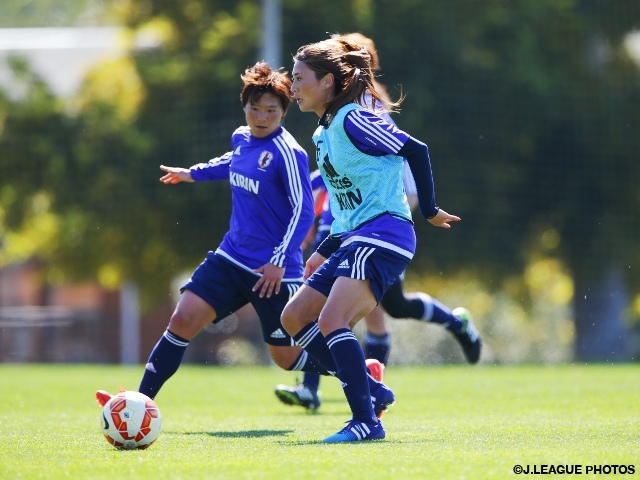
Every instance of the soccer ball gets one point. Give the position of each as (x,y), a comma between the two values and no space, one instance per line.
(131,420)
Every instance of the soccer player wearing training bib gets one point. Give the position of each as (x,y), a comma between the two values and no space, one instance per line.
(396,302)
(372,240)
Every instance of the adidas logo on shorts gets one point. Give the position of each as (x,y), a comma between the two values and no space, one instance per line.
(278,334)
(344,264)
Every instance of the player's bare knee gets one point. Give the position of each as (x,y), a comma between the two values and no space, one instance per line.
(185,326)
(327,324)
(290,319)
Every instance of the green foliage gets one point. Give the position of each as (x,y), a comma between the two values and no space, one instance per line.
(115,221)
(29,164)
(225,423)
(529,110)
(521,104)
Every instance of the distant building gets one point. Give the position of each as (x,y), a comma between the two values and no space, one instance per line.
(62,56)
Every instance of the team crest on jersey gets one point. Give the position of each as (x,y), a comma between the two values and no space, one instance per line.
(265,159)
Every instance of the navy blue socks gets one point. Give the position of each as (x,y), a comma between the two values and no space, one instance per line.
(377,347)
(436,312)
(352,373)
(312,381)
(163,363)
(306,363)
(311,339)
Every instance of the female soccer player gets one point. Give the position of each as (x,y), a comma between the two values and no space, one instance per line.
(396,302)
(360,157)
(260,259)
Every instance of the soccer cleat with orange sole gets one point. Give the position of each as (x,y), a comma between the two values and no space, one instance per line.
(103,397)
(376,369)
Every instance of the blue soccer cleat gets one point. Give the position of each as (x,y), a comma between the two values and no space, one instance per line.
(357,431)
(382,399)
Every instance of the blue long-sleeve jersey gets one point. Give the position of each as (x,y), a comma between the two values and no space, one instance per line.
(272,205)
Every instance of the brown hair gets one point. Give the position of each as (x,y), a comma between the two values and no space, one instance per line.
(350,65)
(367,42)
(360,39)
(261,79)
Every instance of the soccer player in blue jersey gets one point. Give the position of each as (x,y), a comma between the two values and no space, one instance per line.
(360,156)
(398,304)
(260,258)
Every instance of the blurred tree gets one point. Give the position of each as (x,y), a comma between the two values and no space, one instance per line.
(529,110)
(188,89)
(176,104)
(30,166)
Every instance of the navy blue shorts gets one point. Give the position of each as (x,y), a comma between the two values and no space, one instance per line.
(360,261)
(227,288)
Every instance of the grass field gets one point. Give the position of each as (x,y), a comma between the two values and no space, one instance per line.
(225,423)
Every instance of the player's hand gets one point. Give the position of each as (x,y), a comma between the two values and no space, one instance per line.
(175,175)
(270,280)
(442,219)
(312,264)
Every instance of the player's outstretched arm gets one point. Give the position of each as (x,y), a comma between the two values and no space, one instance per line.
(442,219)
(175,175)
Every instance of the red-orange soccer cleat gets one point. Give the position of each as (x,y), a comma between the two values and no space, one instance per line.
(376,369)
(103,397)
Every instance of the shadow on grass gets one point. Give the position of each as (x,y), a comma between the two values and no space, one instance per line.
(285,433)
(320,442)
(242,434)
